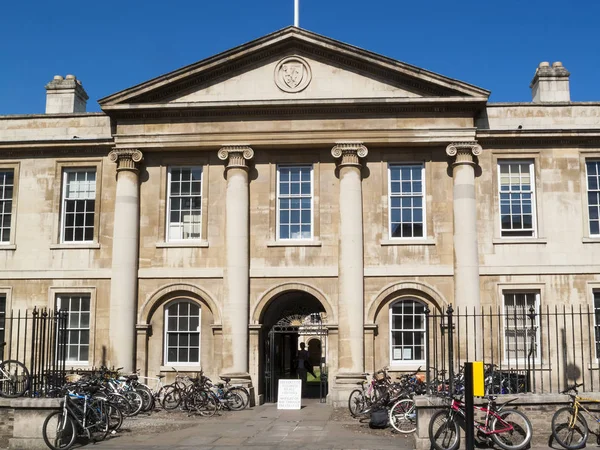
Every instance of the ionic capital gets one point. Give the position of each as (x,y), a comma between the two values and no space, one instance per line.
(464,152)
(236,156)
(126,158)
(350,153)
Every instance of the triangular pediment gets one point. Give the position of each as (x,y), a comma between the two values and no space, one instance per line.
(292,65)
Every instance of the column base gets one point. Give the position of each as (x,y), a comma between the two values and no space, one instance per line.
(242,379)
(345,383)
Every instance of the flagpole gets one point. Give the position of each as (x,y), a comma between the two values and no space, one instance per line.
(296,13)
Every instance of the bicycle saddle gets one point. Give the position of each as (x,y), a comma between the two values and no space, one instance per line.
(226,379)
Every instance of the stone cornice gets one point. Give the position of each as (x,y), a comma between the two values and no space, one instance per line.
(236,156)
(449,107)
(350,153)
(464,152)
(126,158)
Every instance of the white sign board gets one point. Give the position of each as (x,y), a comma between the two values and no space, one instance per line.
(289,394)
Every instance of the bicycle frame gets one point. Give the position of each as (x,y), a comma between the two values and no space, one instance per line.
(484,427)
(576,400)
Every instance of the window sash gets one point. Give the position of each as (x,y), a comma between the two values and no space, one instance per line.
(184,205)
(182,345)
(78,312)
(593,196)
(516,198)
(518,333)
(7,181)
(596,294)
(406,210)
(295,203)
(78,205)
(407,332)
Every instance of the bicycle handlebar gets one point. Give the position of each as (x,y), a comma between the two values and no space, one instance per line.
(572,388)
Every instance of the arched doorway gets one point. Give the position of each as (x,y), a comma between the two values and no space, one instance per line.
(291,321)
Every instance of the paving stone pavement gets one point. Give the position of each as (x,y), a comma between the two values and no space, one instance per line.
(316,427)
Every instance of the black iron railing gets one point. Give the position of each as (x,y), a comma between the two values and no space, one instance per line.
(38,339)
(524,349)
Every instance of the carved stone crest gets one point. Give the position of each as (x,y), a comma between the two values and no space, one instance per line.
(292,74)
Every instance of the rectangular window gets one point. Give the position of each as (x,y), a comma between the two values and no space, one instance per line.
(593,195)
(407,208)
(597,322)
(517,198)
(77,340)
(6,202)
(78,205)
(294,202)
(521,336)
(182,333)
(2,323)
(184,212)
(407,325)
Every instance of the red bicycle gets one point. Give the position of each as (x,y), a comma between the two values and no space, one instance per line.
(508,428)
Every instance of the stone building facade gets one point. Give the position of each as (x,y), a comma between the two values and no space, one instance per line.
(293,175)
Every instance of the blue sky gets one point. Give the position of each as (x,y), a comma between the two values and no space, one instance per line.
(111,45)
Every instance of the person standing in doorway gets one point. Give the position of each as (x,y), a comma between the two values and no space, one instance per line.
(304,365)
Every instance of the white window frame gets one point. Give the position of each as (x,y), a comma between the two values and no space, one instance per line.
(64,200)
(398,362)
(80,329)
(521,361)
(294,196)
(401,194)
(4,200)
(596,306)
(3,308)
(166,332)
(588,191)
(168,222)
(506,233)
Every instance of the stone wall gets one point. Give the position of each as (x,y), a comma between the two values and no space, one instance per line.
(21,421)
(539,408)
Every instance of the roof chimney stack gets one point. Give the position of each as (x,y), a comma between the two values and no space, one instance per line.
(550,84)
(65,95)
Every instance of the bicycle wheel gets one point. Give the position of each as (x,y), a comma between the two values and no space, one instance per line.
(520,434)
(356,402)
(147,399)
(234,401)
(171,398)
(569,433)
(59,431)
(97,420)
(403,416)
(115,418)
(136,402)
(444,432)
(243,393)
(14,378)
(120,402)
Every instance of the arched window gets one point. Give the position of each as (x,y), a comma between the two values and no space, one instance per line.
(182,333)
(407,332)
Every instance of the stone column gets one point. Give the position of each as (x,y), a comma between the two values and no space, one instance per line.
(466,249)
(237,265)
(125,254)
(351,263)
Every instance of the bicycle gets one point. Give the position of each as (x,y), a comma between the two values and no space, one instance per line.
(569,427)
(508,428)
(14,378)
(80,416)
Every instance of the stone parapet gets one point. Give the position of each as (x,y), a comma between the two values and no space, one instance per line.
(28,415)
